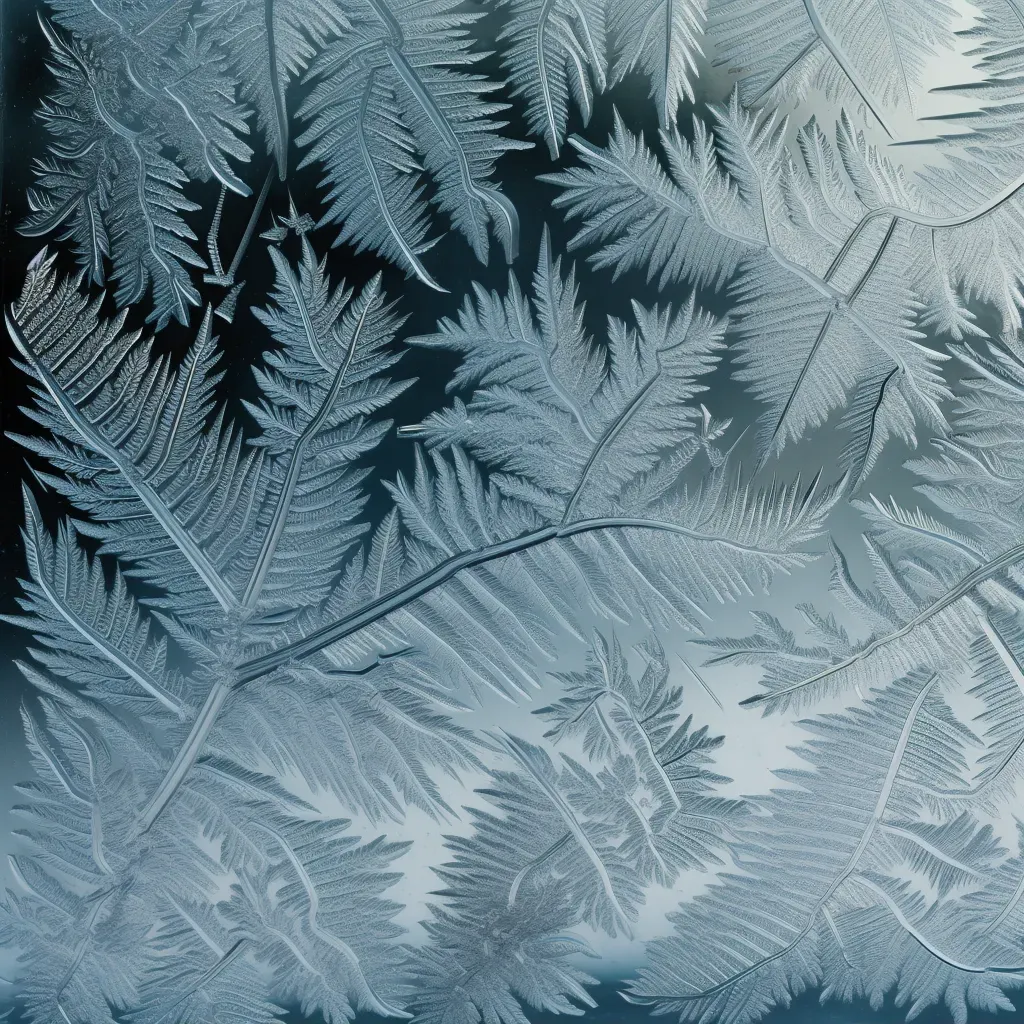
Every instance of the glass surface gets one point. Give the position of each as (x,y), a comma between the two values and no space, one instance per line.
(512,509)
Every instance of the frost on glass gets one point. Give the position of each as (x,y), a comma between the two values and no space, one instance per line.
(293,651)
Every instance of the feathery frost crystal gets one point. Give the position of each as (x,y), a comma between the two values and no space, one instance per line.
(422,595)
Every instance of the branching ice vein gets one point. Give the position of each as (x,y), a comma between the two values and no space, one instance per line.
(373,1002)
(430,580)
(922,940)
(845,65)
(961,589)
(146,492)
(277,524)
(848,871)
(567,814)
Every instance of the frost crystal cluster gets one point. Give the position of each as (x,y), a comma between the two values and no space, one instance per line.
(286,629)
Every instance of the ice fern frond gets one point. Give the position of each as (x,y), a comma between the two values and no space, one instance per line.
(540,380)
(199,971)
(128,432)
(107,184)
(95,636)
(372,740)
(268,43)
(974,208)
(582,510)
(149,784)
(170,76)
(661,38)
(320,392)
(149,26)
(875,55)
(495,942)
(605,703)
(562,51)
(390,103)
(977,187)
(325,932)
(323,935)
(555,52)
(562,843)
(816,251)
(824,914)
(947,590)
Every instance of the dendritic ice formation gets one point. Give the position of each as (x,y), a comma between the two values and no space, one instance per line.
(270,629)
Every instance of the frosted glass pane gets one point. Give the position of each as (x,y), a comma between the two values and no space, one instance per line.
(514,510)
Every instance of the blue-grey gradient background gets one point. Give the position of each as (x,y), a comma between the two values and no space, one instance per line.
(753,747)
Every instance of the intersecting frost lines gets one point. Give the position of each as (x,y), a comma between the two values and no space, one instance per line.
(261,651)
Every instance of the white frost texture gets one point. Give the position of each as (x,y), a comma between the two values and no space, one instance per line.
(519,493)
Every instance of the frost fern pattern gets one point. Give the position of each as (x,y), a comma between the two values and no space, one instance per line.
(352,557)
